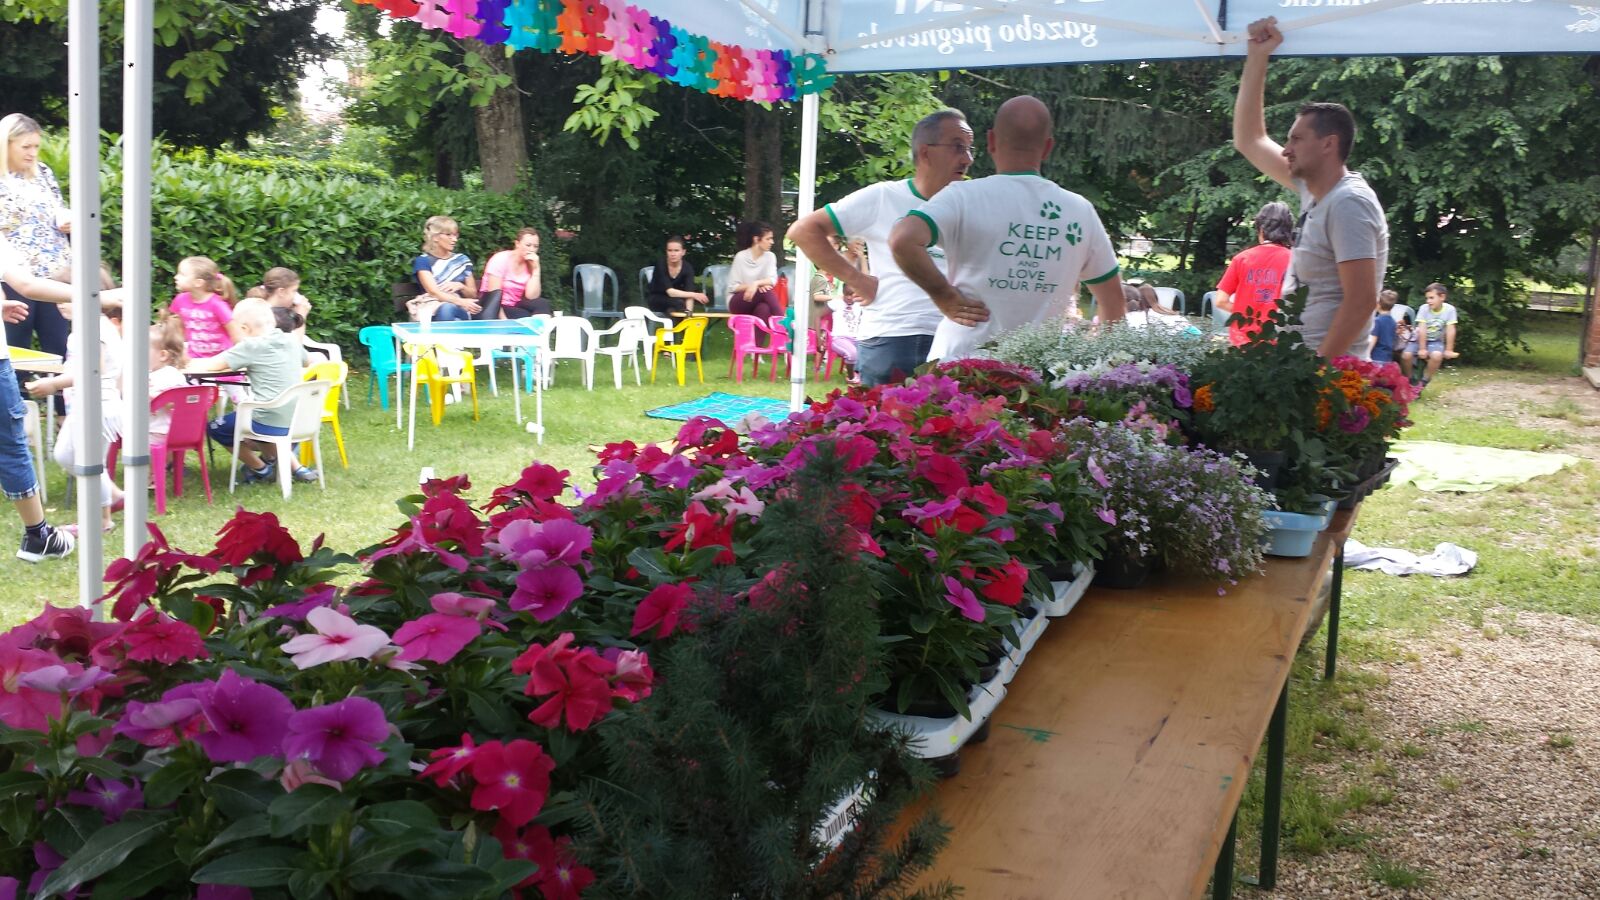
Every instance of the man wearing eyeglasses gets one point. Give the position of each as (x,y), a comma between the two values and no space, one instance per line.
(1018,244)
(1341,240)
(897,318)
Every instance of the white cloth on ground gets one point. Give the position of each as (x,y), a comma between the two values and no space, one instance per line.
(1446,559)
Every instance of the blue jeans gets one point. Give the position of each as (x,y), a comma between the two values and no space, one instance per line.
(891,360)
(449,312)
(16,461)
(221,430)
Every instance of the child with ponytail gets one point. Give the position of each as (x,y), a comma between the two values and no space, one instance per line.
(205,306)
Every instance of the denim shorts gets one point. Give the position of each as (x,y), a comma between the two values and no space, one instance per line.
(221,429)
(17,477)
(890,360)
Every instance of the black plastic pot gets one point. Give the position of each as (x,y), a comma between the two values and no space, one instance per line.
(1270,463)
(1057,571)
(1122,571)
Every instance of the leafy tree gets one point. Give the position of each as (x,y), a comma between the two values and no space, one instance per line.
(224,65)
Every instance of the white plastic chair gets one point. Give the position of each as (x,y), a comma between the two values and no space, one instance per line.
(645,274)
(567,337)
(590,285)
(332,352)
(632,336)
(644,314)
(717,278)
(1172,298)
(307,399)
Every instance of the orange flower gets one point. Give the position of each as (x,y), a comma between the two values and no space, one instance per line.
(1324,413)
(1203,401)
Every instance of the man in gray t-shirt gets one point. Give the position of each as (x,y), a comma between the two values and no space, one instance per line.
(1341,240)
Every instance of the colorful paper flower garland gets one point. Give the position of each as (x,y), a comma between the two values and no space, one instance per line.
(627,34)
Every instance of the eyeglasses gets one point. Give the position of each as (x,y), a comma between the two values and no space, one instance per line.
(968,150)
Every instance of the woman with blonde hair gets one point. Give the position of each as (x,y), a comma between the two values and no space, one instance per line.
(34,221)
(449,290)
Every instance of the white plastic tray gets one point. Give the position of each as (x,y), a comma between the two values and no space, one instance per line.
(933,738)
(1068,593)
(1027,638)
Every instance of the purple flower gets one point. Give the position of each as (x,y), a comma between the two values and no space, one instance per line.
(63,680)
(1097,473)
(1106,516)
(845,408)
(961,597)
(160,724)
(246,718)
(920,514)
(546,593)
(340,738)
(296,612)
(9,887)
(47,860)
(1354,420)
(676,472)
(111,797)
(1182,396)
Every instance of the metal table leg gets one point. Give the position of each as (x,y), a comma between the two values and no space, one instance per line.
(1222,875)
(1333,615)
(1272,806)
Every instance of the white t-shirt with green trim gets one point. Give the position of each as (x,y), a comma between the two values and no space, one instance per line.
(1020,243)
(900,307)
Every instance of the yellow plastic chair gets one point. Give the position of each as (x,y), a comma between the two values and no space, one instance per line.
(430,373)
(335,373)
(693,330)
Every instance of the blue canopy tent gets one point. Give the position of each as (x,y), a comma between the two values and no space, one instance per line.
(849,36)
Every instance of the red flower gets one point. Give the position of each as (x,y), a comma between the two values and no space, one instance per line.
(660,609)
(512,778)
(964,519)
(255,536)
(859,507)
(446,517)
(987,497)
(135,581)
(157,637)
(574,680)
(702,528)
(625,451)
(448,762)
(560,876)
(1005,584)
(537,482)
(945,474)
(455,484)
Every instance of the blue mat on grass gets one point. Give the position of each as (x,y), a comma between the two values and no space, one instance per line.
(727,407)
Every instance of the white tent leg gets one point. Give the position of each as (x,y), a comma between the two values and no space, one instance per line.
(800,291)
(139,61)
(83,90)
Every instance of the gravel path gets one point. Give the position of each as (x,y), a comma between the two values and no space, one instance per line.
(1505,801)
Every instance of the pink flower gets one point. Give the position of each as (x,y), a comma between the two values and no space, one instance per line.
(448,762)
(451,603)
(633,676)
(1097,473)
(338,637)
(246,719)
(340,739)
(161,724)
(946,474)
(71,679)
(22,706)
(410,539)
(436,637)
(546,593)
(531,545)
(299,772)
(660,609)
(157,637)
(512,778)
(1106,515)
(961,597)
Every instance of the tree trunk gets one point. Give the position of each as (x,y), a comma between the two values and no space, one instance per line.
(763,167)
(502,147)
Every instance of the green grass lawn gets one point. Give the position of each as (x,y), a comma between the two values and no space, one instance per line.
(358,507)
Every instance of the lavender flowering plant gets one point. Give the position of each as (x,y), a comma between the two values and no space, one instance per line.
(1194,510)
(1155,396)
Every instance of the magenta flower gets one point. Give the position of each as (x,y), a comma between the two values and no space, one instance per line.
(926,511)
(1106,515)
(111,797)
(411,540)
(961,597)
(676,472)
(161,724)
(1097,473)
(451,603)
(319,595)
(1354,420)
(340,739)
(246,718)
(436,637)
(533,545)
(546,593)
(338,637)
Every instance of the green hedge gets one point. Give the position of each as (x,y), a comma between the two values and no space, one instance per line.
(349,240)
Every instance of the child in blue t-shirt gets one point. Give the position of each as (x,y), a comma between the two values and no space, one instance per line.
(1385,330)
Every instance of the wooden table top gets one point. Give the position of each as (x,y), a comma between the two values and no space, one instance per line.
(1121,750)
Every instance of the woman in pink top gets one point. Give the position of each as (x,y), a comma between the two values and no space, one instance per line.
(515,274)
(205,306)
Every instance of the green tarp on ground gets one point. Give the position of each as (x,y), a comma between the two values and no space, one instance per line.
(1438,466)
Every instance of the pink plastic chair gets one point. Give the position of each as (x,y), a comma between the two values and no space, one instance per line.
(190,406)
(780,340)
(747,343)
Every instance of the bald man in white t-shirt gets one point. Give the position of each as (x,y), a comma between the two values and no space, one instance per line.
(1016,244)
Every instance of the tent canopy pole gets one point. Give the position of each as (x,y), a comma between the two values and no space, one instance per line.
(89,454)
(139,60)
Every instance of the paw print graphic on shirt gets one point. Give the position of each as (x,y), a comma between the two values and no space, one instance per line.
(1073,234)
(1050,210)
